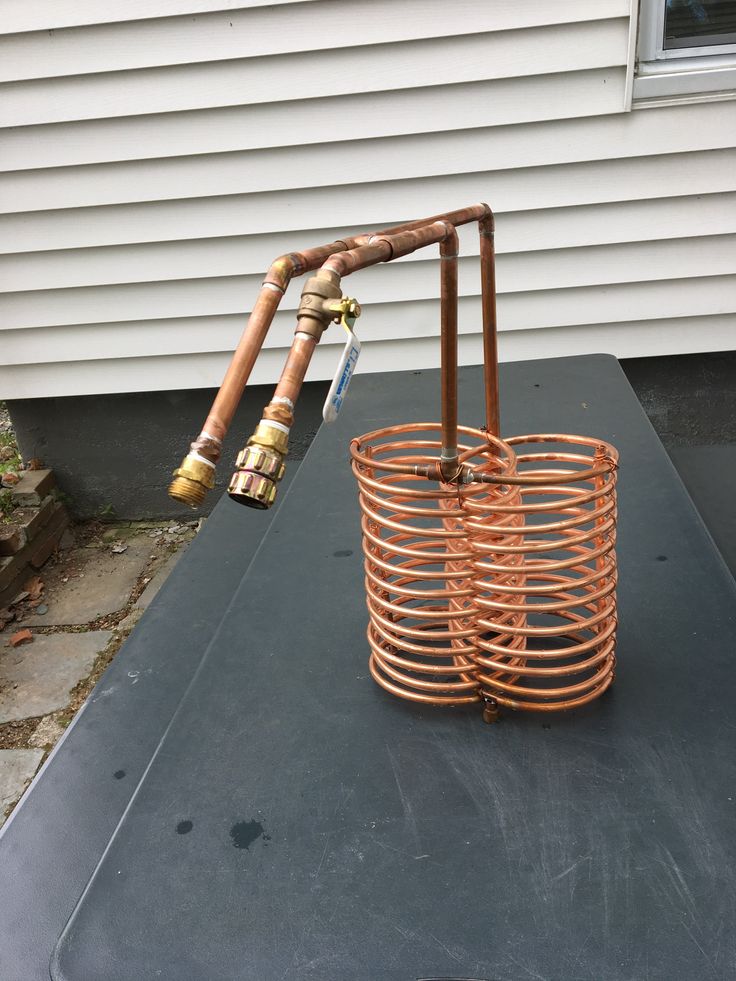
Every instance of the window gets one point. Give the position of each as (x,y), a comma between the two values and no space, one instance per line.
(687,51)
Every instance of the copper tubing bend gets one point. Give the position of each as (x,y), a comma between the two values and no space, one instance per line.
(205,450)
(260,465)
(384,248)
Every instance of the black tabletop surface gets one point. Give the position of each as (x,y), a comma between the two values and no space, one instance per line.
(296,822)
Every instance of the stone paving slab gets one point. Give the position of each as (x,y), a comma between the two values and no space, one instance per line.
(36,679)
(47,733)
(159,578)
(150,592)
(104,586)
(17,769)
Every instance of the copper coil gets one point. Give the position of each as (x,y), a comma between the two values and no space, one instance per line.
(546,595)
(422,615)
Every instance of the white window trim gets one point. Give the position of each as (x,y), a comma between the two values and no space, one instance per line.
(658,77)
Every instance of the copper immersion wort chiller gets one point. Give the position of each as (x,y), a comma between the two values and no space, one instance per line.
(490,564)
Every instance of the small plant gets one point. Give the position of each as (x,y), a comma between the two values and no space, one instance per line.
(9,456)
(7,505)
(10,461)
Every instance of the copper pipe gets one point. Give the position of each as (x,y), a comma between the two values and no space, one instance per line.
(448,358)
(463,216)
(386,246)
(486,228)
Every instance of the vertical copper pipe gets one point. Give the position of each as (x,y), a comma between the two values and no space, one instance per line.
(490,339)
(226,401)
(448,346)
(292,377)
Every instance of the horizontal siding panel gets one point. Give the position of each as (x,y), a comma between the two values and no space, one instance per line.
(366,206)
(416,64)
(18,16)
(278,30)
(365,116)
(643,340)
(633,221)
(596,265)
(548,309)
(157,156)
(679,129)
(206,371)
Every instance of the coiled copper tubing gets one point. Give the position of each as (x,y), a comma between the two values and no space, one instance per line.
(546,635)
(422,615)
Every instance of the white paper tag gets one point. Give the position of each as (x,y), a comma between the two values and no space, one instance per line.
(345,369)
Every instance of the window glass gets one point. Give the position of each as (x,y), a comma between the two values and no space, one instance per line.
(699,23)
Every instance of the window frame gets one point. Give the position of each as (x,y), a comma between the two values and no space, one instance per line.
(682,74)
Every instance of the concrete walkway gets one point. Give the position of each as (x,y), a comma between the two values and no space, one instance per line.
(64,629)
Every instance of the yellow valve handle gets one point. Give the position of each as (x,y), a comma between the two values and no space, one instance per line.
(348,310)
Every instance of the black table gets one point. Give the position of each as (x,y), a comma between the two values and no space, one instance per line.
(289,820)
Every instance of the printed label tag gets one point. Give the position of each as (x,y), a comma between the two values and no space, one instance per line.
(345,369)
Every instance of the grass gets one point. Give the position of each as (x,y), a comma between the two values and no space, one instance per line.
(7,506)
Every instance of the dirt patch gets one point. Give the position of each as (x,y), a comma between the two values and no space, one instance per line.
(163,540)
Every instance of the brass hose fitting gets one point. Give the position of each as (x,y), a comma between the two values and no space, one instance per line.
(271,435)
(260,466)
(191,481)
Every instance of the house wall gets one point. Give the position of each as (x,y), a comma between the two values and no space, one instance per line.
(154,165)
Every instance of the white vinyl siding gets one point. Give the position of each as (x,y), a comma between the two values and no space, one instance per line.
(153,167)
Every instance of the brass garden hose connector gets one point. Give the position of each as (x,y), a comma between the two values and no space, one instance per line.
(192,480)
(260,466)
(252,489)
